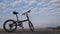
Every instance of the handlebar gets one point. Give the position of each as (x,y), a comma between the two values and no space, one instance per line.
(26,12)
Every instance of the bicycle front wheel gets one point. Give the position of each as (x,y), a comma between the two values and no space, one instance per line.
(10,25)
(31,26)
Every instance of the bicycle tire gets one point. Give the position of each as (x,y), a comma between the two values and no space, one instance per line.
(31,26)
(7,22)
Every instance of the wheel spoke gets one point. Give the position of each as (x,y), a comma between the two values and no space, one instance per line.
(10,26)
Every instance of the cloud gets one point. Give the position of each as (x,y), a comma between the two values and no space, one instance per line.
(28,2)
(50,6)
(16,2)
(3,7)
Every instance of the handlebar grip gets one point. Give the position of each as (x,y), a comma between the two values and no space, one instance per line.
(28,11)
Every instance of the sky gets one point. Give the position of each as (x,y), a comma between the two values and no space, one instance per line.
(44,13)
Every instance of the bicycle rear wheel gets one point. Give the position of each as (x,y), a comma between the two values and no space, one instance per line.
(10,25)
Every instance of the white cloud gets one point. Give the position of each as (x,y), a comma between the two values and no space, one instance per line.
(4,7)
(15,3)
(43,2)
(29,2)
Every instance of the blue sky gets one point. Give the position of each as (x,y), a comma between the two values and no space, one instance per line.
(44,13)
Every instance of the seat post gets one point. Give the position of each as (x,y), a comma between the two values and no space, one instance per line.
(17,17)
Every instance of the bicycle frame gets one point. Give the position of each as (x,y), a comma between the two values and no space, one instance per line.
(22,20)
(26,13)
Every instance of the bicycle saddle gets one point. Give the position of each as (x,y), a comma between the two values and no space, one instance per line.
(14,12)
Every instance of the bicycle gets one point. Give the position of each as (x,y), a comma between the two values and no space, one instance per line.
(12,24)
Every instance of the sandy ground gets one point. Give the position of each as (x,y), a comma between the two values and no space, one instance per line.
(29,32)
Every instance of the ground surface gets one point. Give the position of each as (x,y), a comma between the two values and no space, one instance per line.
(32,33)
(29,32)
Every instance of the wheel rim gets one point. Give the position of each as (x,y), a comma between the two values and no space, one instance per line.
(10,26)
(31,26)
